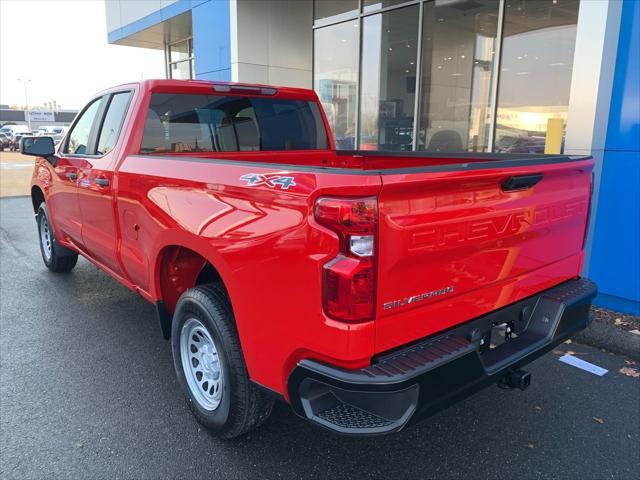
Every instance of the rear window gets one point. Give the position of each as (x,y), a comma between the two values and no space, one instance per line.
(214,123)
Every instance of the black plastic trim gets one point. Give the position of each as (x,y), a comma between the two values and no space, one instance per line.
(493,161)
(272,393)
(425,154)
(444,368)
(164,319)
(521,182)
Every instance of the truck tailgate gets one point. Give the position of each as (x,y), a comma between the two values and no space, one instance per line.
(458,243)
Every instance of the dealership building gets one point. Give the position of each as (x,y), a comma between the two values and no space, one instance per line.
(36,118)
(520,76)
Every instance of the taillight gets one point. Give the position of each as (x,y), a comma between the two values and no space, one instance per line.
(349,279)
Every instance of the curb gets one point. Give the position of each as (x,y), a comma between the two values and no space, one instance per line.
(616,340)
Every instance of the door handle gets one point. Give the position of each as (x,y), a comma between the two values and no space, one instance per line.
(72,176)
(521,182)
(103,182)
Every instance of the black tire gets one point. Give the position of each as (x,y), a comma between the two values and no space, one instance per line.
(57,258)
(242,406)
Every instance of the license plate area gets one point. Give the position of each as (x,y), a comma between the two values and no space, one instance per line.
(500,334)
(506,330)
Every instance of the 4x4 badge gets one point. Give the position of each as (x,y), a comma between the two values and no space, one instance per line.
(269,180)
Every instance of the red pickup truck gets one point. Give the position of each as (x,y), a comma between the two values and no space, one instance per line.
(366,289)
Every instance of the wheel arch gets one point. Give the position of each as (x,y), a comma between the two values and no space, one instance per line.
(37,197)
(177,268)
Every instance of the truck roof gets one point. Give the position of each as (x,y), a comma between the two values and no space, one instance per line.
(206,87)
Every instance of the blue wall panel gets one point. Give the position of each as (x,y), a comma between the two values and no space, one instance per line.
(211,26)
(615,258)
(623,132)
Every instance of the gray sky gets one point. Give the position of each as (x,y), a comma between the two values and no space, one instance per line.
(62,47)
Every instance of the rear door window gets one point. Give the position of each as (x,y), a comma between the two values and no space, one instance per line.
(113,122)
(213,123)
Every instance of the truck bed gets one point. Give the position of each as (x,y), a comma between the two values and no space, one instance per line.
(440,161)
(456,239)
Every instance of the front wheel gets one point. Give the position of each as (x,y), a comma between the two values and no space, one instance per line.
(210,366)
(55,257)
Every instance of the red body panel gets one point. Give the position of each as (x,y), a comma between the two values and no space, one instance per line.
(461,232)
(435,229)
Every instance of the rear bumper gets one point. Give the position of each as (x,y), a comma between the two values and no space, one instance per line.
(412,383)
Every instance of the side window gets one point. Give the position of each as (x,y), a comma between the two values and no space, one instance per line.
(113,122)
(79,135)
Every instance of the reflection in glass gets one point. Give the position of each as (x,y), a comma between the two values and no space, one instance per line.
(180,70)
(214,123)
(457,63)
(389,56)
(371,5)
(180,51)
(535,76)
(112,122)
(329,8)
(79,134)
(336,78)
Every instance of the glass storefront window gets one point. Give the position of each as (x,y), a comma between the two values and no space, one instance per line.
(336,78)
(180,70)
(180,60)
(180,51)
(388,80)
(329,8)
(535,75)
(374,72)
(457,64)
(371,5)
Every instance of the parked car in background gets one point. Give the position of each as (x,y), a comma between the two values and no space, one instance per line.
(50,130)
(57,137)
(43,130)
(367,289)
(5,141)
(19,139)
(14,129)
(15,142)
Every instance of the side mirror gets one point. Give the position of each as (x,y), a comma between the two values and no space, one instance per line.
(38,146)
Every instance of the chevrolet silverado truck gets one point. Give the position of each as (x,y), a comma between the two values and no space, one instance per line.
(366,289)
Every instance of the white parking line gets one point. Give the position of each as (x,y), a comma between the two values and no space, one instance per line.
(581,364)
(15,166)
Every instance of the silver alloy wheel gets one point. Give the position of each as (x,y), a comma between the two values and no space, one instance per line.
(201,364)
(45,237)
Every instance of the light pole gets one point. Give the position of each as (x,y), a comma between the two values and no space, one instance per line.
(25,81)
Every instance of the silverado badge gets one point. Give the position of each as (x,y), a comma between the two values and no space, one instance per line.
(417,298)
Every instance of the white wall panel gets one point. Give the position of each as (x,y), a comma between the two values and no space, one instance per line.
(112,12)
(122,12)
(276,35)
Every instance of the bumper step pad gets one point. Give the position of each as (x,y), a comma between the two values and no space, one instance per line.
(347,416)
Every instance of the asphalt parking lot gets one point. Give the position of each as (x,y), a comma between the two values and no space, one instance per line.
(87,390)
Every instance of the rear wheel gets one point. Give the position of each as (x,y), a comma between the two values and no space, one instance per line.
(56,257)
(210,366)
